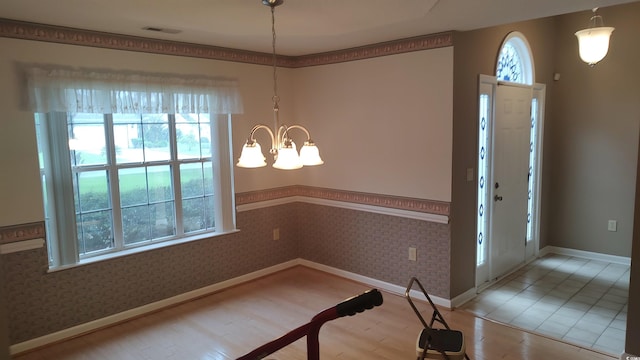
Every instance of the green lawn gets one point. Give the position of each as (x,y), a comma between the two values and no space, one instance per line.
(136,181)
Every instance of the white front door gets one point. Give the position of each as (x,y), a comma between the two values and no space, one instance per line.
(509,186)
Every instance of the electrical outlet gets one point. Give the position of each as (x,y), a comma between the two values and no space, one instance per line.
(612,225)
(276,234)
(413,254)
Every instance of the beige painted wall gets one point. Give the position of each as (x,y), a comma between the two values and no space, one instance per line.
(383,124)
(475,52)
(632,346)
(590,142)
(417,96)
(20,194)
(593,139)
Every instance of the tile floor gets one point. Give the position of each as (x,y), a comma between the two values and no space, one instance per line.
(580,301)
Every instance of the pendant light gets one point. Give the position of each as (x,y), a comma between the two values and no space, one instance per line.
(283,148)
(593,42)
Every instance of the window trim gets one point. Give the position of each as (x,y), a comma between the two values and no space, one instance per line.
(139,250)
(55,89)
(62,239)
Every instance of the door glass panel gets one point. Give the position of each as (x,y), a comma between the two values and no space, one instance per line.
(533,150)
(483,137)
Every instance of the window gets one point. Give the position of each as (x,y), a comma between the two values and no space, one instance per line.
(514,61)
(115,181)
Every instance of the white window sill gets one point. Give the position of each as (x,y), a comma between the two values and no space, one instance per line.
(139,249)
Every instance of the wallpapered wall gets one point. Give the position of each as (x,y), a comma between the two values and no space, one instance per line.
(4,326)
(373,245)
(376,245)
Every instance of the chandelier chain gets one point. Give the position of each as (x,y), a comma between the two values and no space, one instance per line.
(283,149)
(273,46)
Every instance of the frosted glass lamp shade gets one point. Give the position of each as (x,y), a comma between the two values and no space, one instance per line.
(288,158)
(251,156)
(310,155)
(593,44)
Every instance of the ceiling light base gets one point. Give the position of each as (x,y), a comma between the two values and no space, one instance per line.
(272,3)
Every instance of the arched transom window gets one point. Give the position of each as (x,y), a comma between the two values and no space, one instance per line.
(515,63)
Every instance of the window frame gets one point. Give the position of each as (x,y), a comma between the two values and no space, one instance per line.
(61,213)
(523,57)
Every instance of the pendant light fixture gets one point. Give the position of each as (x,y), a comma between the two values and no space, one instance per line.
(593,42)
(283,148)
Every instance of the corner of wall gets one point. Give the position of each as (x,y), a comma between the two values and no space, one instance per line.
(4,327)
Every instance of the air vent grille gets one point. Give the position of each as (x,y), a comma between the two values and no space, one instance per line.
(162,30)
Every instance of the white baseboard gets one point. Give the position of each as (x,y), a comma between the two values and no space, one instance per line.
(626,356)
(471,293)
(585,254)
(207,290)
(145,309)
(381,285)
(392,288)
(464,297)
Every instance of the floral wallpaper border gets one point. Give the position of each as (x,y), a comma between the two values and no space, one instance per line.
(23,232)
(50,33)
(389,201)
(36,230)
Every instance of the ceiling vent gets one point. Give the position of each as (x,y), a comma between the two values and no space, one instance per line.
(162,30)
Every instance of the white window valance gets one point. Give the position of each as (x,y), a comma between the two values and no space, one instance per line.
(104,91)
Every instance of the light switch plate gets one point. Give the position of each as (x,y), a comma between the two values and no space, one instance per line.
(469,174)
(413,254)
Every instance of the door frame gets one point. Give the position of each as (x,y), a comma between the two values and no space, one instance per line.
(487,85)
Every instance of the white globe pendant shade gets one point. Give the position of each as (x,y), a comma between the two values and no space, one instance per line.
(310,155)
(251,156)
(593,44)
(288,158)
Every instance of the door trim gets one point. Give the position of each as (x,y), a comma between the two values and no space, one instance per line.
(488,84)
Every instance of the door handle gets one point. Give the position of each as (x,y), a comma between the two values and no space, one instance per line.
(497,198)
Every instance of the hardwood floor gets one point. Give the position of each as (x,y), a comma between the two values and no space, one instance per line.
(233,322)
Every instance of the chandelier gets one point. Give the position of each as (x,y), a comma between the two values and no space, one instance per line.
(593,42)
(283,148)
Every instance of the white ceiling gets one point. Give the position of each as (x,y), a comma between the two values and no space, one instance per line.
(302,26)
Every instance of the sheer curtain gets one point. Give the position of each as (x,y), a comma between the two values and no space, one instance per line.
(58,89)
